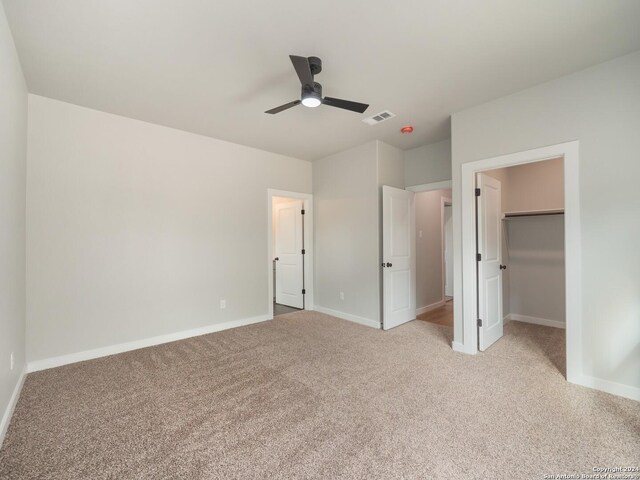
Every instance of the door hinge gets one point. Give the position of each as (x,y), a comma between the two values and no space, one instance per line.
(302,211)
(477,192)
(479,322)
(478,257)
(303,251)
(304,291)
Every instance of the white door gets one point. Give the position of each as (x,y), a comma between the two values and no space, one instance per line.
(288,253)
(489,263)
(398,257)
(448,251)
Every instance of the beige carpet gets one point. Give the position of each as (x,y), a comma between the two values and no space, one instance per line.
(310,396)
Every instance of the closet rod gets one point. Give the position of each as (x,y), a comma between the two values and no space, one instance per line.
(531,214)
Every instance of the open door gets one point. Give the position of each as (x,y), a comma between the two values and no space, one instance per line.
(288,252)
(398,257)
(489,221)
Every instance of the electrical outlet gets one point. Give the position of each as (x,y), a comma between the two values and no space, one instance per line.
(419,233)
(341,295)
(223,304)
(11,362)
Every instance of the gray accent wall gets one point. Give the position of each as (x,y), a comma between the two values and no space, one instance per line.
(535,282)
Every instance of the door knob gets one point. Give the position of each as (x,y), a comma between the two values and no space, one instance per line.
(389,264)
(276,259)
(503,267)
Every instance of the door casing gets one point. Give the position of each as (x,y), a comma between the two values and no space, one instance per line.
(465,288)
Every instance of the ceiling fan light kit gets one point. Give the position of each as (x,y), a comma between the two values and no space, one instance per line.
(311,92)
(311,96)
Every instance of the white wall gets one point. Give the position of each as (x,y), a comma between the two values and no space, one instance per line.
(13,145)
(428,164)
(347,201)
(429,268)
(599,107)
(390,166)
(136,230)
(391,173)
(345,193)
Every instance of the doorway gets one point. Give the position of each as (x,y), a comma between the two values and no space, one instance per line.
(290,252)
(433,304)
(472,292)
(520,239)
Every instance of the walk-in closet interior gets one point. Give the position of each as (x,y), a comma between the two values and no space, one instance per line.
(533,242)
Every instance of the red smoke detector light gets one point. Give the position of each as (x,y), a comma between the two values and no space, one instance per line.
(407,129)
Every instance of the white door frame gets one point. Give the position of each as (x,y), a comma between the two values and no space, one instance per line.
(428,187)
(466,303)
(307,199)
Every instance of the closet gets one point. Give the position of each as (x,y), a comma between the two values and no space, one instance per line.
(533,242)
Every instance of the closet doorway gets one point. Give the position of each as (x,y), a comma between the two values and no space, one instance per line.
(521,273)
(542,258)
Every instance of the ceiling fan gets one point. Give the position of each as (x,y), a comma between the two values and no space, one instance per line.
(307,68)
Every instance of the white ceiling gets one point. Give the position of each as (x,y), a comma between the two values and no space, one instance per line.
(214,66)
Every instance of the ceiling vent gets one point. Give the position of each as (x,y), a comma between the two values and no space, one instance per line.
(379,117)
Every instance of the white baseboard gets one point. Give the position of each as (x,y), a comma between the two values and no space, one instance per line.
(536,320)
(53,362)
(6,416)
(347,316)
(428,308)
(457,347)
(614,388)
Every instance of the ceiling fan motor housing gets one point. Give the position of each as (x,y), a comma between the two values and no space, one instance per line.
(315,64)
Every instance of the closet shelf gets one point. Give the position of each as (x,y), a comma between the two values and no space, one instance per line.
(533,213)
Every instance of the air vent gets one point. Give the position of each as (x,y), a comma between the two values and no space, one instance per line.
(379,117)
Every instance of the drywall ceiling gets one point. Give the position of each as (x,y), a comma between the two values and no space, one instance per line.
(214,67)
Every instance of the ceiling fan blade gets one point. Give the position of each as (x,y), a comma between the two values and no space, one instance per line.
(346,104)
(284,107)
(301,64)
